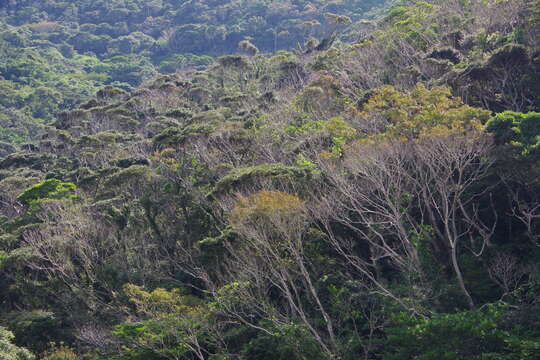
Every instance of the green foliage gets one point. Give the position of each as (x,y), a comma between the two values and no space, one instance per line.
(182,61)
(35,329)
(173,325)
(291,342)
(519,130)
(218,212)
(136,174)
(48,189)
(465,335)
(8,351)
(411,23)
(335,129)
(173,136)
(59,352)
(49,65)
(243,176)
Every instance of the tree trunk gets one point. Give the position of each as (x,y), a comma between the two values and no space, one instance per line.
(459,276)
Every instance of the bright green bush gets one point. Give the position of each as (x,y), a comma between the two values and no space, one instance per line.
(468,335)
(48,189)
(520,130)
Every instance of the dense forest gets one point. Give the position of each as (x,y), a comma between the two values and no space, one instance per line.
(260,180)
(57,54)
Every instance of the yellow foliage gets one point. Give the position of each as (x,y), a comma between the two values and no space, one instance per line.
(265,204)
(165,153)
(161,303)
(338,128)
(44,26)
(166,156)
(420,113)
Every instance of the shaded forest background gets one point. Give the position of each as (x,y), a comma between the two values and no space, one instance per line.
(270,180)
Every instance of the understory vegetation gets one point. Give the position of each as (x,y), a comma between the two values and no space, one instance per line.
(374,197)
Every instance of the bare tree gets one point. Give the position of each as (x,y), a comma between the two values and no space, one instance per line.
(368,195)
(387,193)
(449,167)
(74,244)
(71,248)
(525,207)
(505,271)
(272,257)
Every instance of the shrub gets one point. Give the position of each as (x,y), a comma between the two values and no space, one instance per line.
(520,130)
(245,175)
(48,189)
(8,351)
(470,335)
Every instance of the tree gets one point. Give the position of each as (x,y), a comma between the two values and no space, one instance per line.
(518,130)
(413,159)
(337,20)
(463,335)
(272,255)
(248,47)
(509,66)
(233,65)
(166,324)
(453,166)
(47,189)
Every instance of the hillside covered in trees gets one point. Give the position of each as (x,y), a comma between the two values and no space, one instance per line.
(57,54)
(350,190)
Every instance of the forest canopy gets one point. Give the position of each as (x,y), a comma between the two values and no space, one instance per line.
(265,180)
